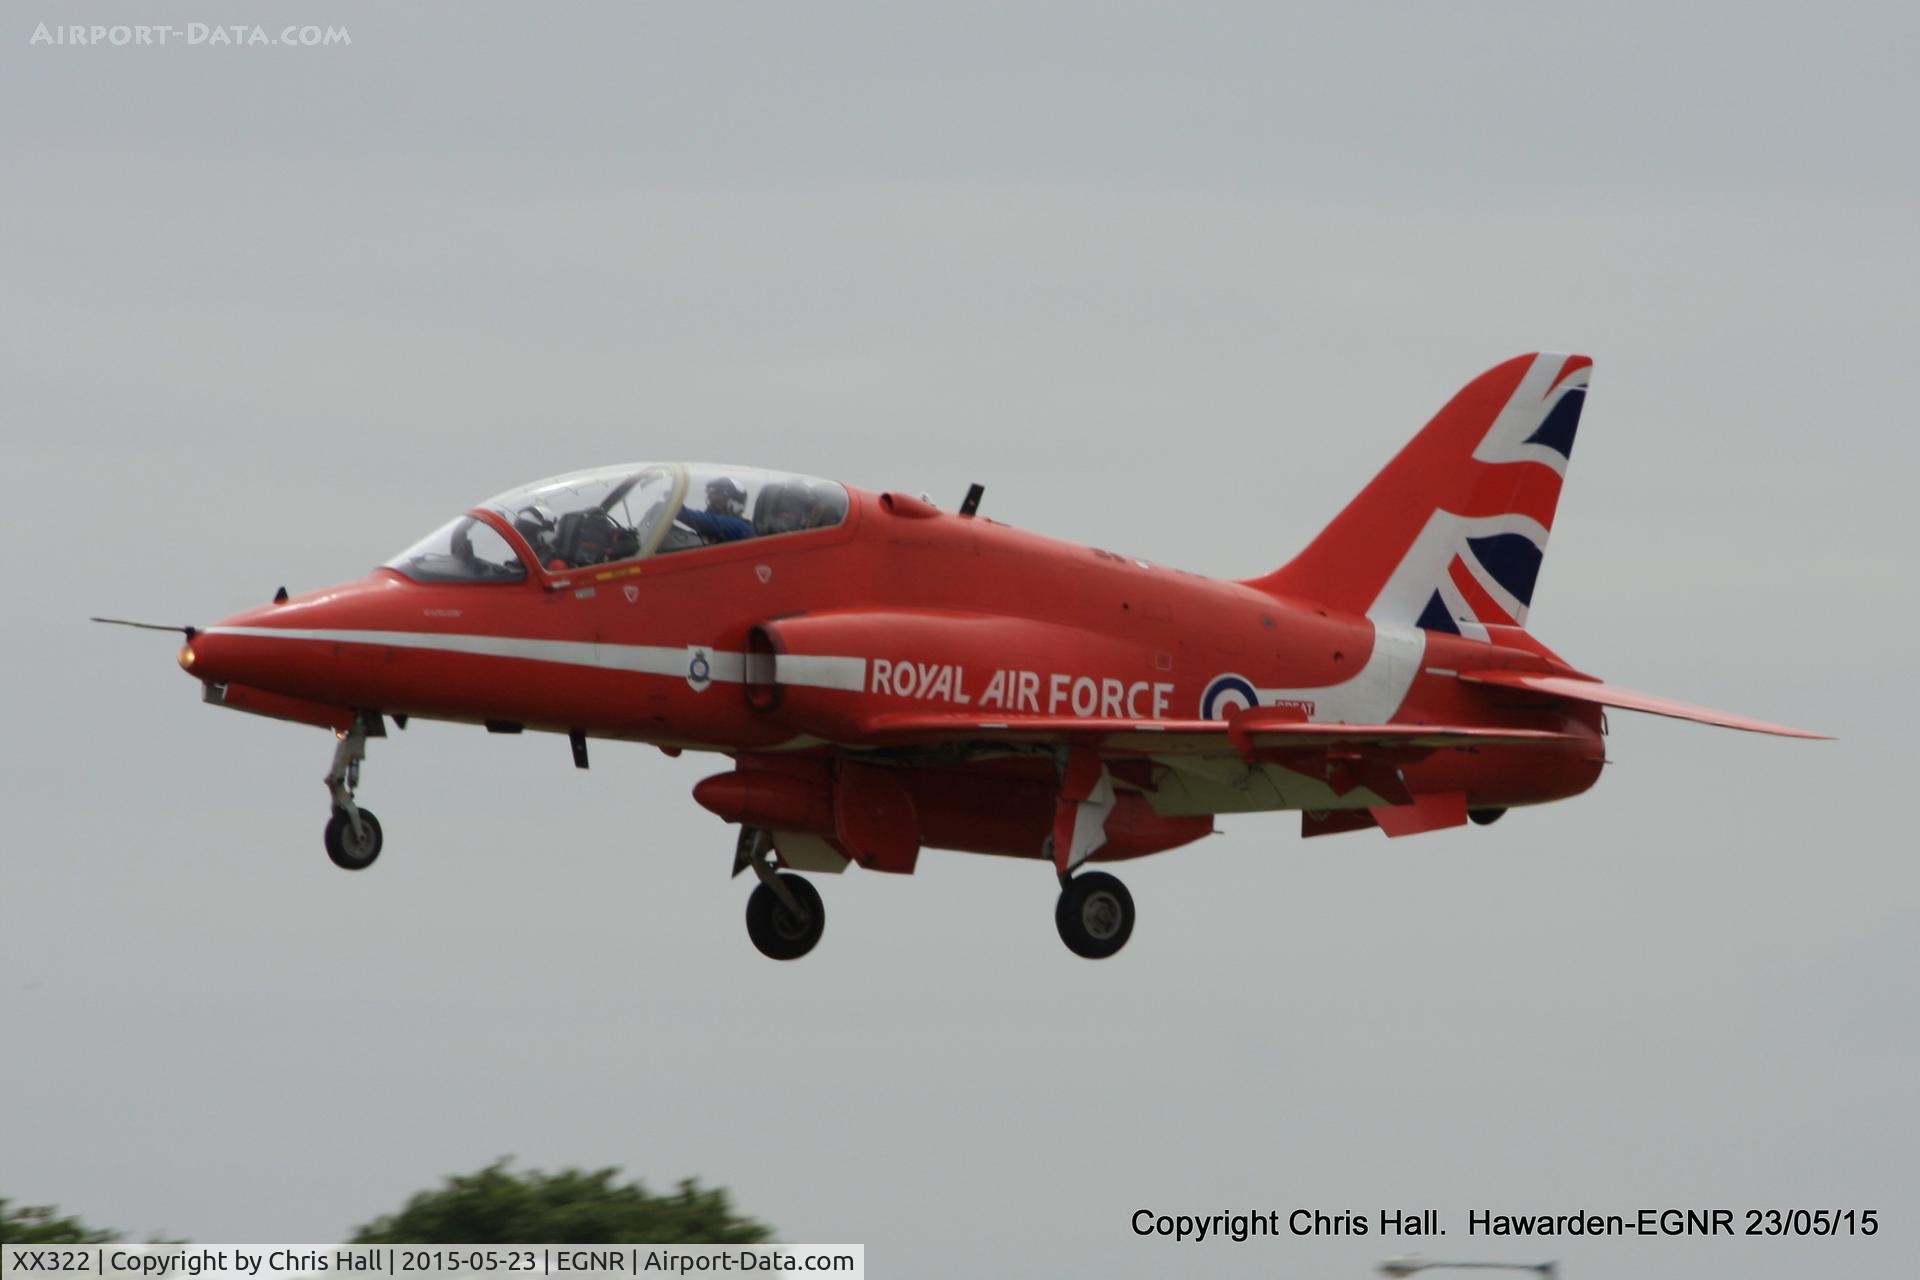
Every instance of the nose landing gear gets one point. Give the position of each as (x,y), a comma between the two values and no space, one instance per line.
(353,848)
(353,836)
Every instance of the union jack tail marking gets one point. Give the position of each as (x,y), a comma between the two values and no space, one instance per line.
(1451,534)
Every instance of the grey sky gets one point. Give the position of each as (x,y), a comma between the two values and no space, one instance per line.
(1169,280)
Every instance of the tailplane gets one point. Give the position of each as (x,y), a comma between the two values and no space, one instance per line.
(1583,689)
(1451,534)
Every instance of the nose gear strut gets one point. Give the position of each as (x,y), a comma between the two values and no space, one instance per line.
(353,837)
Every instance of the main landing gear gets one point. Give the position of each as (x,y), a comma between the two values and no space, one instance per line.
(1094,914)
(785,916)
(353,836)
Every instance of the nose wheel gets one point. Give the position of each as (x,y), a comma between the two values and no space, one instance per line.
(353,848)
(1094,915)
(353,837)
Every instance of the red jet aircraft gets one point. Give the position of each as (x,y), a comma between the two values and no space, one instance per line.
(889,677)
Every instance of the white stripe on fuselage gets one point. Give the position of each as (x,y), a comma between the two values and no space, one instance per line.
(809,670)
(1375,692)
(1372,696)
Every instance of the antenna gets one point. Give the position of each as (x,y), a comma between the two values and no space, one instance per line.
(188,632)
(974,494)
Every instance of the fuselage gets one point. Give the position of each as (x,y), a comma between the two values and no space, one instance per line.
(789,645)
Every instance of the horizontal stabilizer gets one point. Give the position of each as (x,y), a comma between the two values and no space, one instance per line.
(1247,733)
(1608,695)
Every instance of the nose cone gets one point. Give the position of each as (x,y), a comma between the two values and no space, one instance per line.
(290,646)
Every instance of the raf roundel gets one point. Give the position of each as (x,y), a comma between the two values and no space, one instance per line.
(1224,692)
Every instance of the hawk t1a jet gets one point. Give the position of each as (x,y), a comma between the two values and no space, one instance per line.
(887,677)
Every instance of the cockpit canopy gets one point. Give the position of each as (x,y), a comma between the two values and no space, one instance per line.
(623,513)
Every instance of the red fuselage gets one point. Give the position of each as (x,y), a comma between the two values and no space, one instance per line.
(785,651)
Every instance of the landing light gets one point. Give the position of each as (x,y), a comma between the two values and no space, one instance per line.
(186,657)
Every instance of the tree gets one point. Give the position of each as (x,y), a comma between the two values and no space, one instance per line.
(499,1206)
(38,1224)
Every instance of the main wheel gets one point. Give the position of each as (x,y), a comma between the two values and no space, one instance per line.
(775,929)
(351,850)
(1094,915)
(1485,817)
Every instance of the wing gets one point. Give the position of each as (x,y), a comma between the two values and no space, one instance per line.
(1247,734)
(1343,756)
(1607,695)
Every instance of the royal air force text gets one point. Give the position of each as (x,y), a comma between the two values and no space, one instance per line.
(1008,689)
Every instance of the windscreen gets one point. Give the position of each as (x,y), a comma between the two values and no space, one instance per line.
(465,549)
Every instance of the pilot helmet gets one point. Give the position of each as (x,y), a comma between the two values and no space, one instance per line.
(723,492)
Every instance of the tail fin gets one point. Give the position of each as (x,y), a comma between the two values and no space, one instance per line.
(1450,535)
